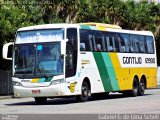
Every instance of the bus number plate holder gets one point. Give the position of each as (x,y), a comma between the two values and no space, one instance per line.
(36,91)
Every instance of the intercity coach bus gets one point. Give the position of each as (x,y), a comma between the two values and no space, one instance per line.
(81,60)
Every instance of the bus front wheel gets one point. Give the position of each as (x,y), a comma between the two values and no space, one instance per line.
(40,100)
(85,93)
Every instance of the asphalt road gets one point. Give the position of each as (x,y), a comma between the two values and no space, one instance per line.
(115,103)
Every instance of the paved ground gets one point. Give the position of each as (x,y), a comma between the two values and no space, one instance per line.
(115,103)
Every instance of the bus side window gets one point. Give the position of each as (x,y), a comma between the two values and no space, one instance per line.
(82,46)
(86,37)
(112,39)
(141,44)
(150,44)
(122,46)
(107,43)
(132,46)
(117,42)
(125,44)
(134,43)
(90,39)
(103,42)
(99,41)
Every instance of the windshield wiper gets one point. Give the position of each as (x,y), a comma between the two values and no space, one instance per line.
(22,72)
(43,74)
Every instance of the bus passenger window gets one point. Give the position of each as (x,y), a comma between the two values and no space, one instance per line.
(87,39)
(125,45)
(99,41)
(134,43)
(113,43)
(141,44)
(99,48)
(122,46)
(150,45)
(82,46)
(107,43)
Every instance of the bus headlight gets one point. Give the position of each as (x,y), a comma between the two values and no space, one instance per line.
(14,83)
(54,82)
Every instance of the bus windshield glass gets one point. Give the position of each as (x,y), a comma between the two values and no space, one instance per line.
(35,36)
(38,59)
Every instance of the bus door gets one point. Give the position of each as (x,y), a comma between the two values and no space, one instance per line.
(71,56)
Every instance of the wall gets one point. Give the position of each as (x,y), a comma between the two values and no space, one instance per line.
(5,83)
(158,75)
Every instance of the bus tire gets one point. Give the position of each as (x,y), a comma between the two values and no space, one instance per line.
(142,86)
(40,100)
(134,91)
(85,93)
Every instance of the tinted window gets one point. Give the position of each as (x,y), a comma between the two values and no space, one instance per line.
(92,40)
(87,40)
(100,41)
(150,44)
(141,44)
(125,47)
(134,43)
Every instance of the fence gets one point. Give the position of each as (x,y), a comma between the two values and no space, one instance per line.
(5,83)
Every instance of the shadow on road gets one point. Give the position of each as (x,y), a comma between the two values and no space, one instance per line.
(71,100)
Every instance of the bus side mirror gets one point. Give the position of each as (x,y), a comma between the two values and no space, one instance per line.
(63,46)
(7,50)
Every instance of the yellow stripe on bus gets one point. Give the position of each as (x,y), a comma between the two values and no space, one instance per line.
(125,75)
(122,74)
(35,80)
(101,28)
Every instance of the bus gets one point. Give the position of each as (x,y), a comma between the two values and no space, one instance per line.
(82,60)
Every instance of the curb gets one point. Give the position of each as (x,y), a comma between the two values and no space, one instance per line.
(6,97)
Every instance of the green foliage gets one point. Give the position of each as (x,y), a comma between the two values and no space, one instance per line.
(129,15)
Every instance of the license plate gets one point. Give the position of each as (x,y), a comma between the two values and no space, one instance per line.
(36,91)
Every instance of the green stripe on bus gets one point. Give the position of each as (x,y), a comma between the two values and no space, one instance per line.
(48,79)
(103,71)
(106,71)
(110,70)
(85,27)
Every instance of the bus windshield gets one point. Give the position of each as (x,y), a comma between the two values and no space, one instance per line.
(42,59)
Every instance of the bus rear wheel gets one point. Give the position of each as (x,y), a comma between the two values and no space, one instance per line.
(142,87)
(134,91)
(85,93)
(40,100)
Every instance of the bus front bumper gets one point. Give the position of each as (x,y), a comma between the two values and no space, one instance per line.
(50,91)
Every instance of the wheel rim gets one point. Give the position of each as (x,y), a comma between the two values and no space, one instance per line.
(85,91)
(142,87)
(135,89)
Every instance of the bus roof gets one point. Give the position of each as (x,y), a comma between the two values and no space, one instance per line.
(48,26)
(102,25)
(89,25)
(131,32)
